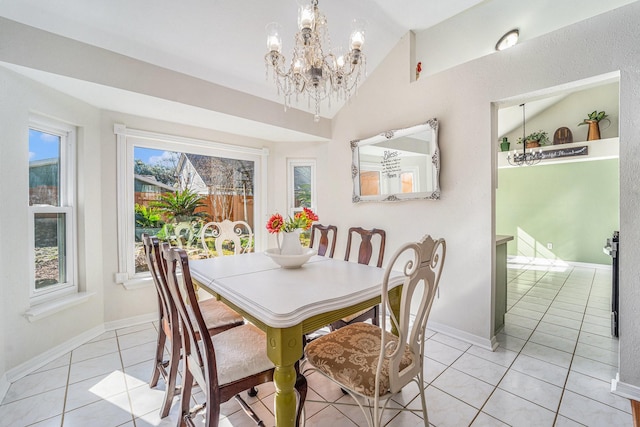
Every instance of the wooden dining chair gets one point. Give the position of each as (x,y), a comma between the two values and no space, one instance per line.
(326,235)
(236,233)
(373,363)
(364,256)
(225,364)
(219,317)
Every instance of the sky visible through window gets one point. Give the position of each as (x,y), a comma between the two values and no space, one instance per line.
(43,145)
(151,156)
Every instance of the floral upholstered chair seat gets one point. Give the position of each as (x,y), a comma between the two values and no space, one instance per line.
(350,357)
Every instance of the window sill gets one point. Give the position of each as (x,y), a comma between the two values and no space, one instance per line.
(137,283)
(46,309)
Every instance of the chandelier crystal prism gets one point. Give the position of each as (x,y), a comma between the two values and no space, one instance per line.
(315,69)
(525,158)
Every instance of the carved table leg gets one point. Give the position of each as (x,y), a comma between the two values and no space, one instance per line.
(284,348)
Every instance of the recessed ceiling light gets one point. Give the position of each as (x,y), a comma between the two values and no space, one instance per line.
(508,40)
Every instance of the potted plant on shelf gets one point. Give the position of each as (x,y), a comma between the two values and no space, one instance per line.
(535,139)
(593,120)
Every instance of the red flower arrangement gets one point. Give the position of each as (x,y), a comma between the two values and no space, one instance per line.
(302,220)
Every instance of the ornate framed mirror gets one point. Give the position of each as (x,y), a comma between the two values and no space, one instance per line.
(400,164)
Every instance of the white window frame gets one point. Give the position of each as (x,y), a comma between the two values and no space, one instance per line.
(292,163)
(67,196)
(126,140)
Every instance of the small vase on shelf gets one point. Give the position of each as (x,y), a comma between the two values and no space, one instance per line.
(505,144)
(594,130)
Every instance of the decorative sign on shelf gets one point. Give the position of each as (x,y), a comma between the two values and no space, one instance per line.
(564,152)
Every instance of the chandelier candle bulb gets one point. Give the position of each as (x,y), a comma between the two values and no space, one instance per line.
(306,17)
(357,40)
(273,43)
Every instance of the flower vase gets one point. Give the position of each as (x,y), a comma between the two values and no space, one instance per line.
(594,130)
(290,243)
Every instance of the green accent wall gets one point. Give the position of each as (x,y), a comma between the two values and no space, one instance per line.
(574,206)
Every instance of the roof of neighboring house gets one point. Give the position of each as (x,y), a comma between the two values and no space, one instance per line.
(212,169)
(43,172)
(152,181)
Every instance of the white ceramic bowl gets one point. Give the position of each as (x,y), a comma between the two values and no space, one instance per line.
(290,261)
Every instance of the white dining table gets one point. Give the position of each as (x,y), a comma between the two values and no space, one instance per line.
(288,303)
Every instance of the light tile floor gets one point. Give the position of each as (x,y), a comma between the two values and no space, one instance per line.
(553,367)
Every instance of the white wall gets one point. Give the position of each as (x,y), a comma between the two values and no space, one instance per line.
(461,98)
(24,340)
(277,200)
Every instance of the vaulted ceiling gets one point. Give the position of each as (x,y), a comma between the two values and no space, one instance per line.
(224,41)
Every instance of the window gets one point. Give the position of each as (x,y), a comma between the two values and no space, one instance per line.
(171,186)
(52,192)
(302,188)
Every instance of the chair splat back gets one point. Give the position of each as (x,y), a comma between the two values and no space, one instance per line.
(421,274)
(365,251)
(227,231)
(224,364)
(327,239)
(168,320)
(199,359)
(157,270)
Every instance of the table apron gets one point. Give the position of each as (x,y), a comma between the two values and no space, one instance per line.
(319,320)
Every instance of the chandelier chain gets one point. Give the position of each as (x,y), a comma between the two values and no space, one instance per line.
(525,158)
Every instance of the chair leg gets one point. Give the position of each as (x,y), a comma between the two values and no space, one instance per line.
(212,405)
(252,392)
(162,338)
(248,410)
(171,388)
(376,315)
(423,401)
(301,387)
(185,395)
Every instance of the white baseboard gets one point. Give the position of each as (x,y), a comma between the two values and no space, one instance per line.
(625,390)
(488,344)
(52,354)
(4,386)
(25,368)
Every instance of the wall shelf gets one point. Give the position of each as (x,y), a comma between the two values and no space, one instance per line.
(600,149)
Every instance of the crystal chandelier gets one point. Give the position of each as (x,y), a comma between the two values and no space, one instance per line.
(315,69)
(526,158)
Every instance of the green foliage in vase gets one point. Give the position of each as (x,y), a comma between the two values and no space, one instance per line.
(595,115)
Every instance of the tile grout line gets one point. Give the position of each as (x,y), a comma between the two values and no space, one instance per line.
(66,389)
(566,380)
(126,383)
(511,364)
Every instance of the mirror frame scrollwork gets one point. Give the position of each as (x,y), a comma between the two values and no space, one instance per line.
(434,194)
